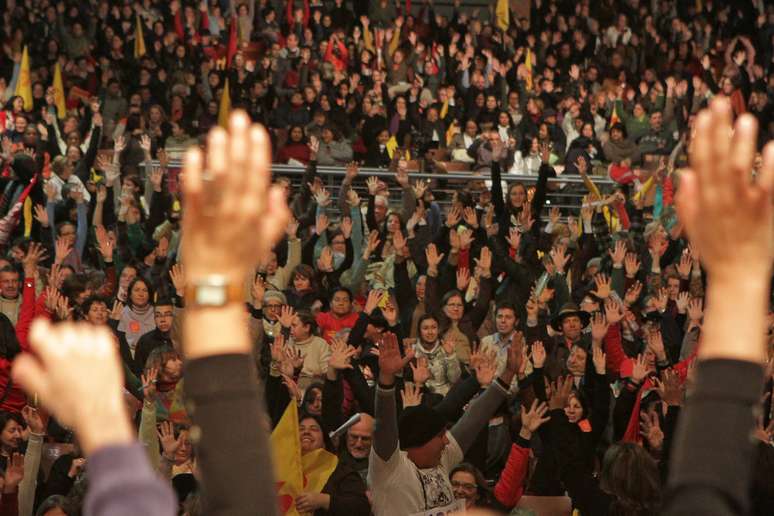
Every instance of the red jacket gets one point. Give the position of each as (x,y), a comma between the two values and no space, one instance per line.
(510,487)
(15,400)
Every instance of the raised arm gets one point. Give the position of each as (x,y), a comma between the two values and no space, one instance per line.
(719,202)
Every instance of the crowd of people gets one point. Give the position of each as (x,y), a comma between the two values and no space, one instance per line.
(449,347)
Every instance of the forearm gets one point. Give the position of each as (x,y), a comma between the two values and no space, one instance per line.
(29,483)
(477,415)
(222,389)
(386,427)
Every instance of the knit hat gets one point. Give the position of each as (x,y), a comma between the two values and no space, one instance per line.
(418,425)
(275,294)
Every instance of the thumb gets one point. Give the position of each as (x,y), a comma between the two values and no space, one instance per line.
(29,373)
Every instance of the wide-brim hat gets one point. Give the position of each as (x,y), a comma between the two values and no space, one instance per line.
(569,310)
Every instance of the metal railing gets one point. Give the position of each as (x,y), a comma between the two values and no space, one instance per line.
(568,198)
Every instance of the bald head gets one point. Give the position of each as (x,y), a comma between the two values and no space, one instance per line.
(359,437)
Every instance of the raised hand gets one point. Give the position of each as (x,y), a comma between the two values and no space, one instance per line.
(599,359)
(560,393)
(640,369)
(514,238)
(538,354)
(695,310)
(258,289)
(341,355)
(599,327)
(484,262)
(34,421)
(372,301)
(485,366)
(325,261)
(633,293)
(76,372)
(463,278)
(453,217)
(559,257)
(603,286)
(618,253)
(286,316)
(614,311)
(41,215)
(433,258)
(669,388)
(631,265)
(411,395)
(117,310)
(533,418)
(373,185)
(470,217)
(177,275)
(170,444)
(650,429)
(230,203)
(14,473)
(35,253)
(683,298)
(420,372)
(321,224)
(390,361)
(149,380)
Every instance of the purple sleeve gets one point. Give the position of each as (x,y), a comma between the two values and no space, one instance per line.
(121,482)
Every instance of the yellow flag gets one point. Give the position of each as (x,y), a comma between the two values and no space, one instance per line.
(296,474)
(139,40)
(27,217)
(59,95)
(503,15)
(444,109)
(391,145)
(225,106)
(286,452)
(528,64)
(24,86)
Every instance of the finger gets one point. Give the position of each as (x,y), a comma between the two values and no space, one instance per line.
(217,153)
(192,183)
(30,374)
(765,178)
(720,141)
(744,142)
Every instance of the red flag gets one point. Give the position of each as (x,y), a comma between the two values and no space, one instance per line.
(232,42)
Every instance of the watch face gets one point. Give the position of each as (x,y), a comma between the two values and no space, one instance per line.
(210,295)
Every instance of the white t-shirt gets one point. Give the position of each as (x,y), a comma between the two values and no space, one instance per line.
(399,487)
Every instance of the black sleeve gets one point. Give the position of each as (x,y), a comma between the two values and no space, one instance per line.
(712,454)
(59,482)
(364,395)
(453,405)
(333,398)
(234,457)
(622,411)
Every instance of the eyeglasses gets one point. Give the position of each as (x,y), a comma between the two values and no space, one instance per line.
(464,485)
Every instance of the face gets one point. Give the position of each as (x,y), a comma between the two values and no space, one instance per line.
(127,275)
(341,304)
(359,438)
(311,435)
(576,362)
(393,223)
(573,410)
(183,452)
(301,283)
(454,308)
(505,321)
(616,135)
(571,327)
(517,195)
(11,437)
(471,129)
(172,371)
(98,313)
(299,330)
(296,134)
(380,209)
(428,330)
(656,120)
(465,488)
(673,287)
(139,294)
(9,285)
(164,316)
(420,289)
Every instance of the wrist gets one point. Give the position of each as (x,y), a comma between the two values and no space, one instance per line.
(525,433)
(386,381)
(104,430)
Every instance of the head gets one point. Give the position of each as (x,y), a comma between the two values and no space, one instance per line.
(574,409)
(380,207)
(303,325)
(96,311)
(427,327)
(422,433)
(168,362)
(468,484)
(311,434)
(11,426)
(273,301)
(128,273)
(139,293)
(164,315)
(517,195)
(312,402)
(453,305)
(302,278)
(576,361)
(341,302)
(505,319)
(9,282)
(359,437)
(631,476)
(572,327)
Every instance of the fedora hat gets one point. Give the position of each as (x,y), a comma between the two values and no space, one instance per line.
(568,310)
